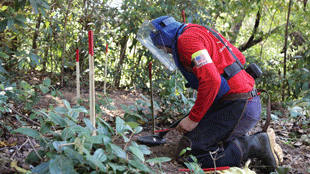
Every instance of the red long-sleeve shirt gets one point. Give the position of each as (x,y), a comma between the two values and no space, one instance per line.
(196,38)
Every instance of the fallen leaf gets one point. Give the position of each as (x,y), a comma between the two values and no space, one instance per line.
(298,143)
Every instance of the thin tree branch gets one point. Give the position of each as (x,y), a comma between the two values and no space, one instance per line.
(285,49)
(251,42)
(38,124)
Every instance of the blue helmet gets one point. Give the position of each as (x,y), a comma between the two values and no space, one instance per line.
(167,28)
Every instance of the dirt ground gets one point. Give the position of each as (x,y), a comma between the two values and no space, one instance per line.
(296,156)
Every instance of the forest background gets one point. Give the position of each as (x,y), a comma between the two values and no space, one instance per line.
(41,37)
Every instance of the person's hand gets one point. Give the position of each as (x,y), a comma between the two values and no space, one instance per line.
(186,125)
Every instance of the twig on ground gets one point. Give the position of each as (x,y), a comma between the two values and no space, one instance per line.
(11,147)
(214,158)
(38,124)
(18,149)
(35,150)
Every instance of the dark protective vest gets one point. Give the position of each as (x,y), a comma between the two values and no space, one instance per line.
(190,77)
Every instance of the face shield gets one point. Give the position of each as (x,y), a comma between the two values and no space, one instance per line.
(143,36)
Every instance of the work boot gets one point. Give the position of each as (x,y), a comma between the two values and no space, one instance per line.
(183,144)
(262,146)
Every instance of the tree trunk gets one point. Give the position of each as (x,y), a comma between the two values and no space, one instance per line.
(123,44)
(285,49)
(236,30)
(36,34)
(64,46)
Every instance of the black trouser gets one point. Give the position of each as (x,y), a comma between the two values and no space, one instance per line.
(212,131)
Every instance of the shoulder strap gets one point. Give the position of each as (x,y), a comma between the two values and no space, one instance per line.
(219,38)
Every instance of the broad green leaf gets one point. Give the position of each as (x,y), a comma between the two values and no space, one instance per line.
(98,139)
(96,162)
(138,129)
(140,166)
(125,108)
(45,5)
(305,86)
(121,126)
(44,89)
(11,23)
(27,131)
(56,145)
(42,168)
(73,154)
(103,130)
(118,151)
(79,109)
(79,129)
(61,164)
(25,85)
(57,119)
(88,124)
(33,157)
(67,104)
(3,25)
(159,160)
(100,155)
(45,128)
(3,98)
(47,82)
(116,167)
(34,58)
(87,141)
(133,125)
(34,5)
(126,139)
(194,167)
(67,133)
(61,110)
(143,148)
(42,11)
(3,54)
(136,151)
(3,8)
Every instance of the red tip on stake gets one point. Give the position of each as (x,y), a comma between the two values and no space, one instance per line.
(106,48)
(77,55)
(90,43)
(150,70)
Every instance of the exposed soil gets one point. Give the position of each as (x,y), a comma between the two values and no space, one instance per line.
(296,155)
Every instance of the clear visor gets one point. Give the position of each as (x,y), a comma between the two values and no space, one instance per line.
(143,36)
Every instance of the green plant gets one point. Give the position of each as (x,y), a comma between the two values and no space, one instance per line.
(174,97)
(74,148)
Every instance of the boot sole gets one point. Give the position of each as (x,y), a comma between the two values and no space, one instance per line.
(275,148)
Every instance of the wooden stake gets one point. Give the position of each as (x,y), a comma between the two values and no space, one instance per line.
(78,93)
(152,102)
(105,70)
(183,14)
(91,81)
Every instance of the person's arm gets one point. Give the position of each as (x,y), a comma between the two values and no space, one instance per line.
(193,48)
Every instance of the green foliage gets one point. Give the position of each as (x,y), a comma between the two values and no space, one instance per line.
(77,149)
(175,98)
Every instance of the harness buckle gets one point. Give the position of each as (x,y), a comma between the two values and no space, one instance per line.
(253,93)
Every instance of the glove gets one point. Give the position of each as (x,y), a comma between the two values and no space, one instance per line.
(186,125)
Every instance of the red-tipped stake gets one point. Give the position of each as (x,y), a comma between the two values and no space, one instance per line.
(78,95)
(105,70)
(91,80)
